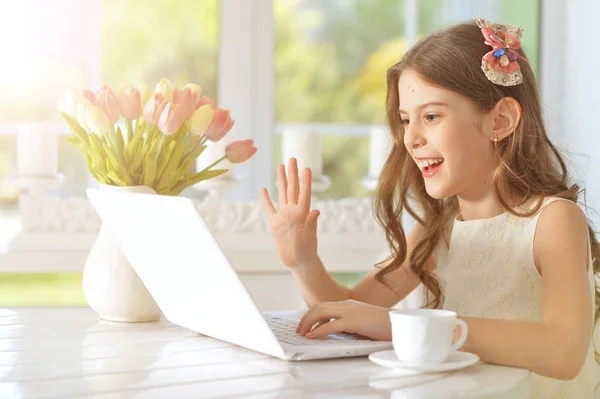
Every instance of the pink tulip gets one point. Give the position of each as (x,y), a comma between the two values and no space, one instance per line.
(131,103)
(90,96)
(154,107)
(240,151)
(107,101)
(187,100)
(220,125)
(194,88)
(170,119)
(203,101)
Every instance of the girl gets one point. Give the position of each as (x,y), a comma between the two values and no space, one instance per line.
(499,237)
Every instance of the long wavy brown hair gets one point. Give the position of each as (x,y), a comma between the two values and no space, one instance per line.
(529,164)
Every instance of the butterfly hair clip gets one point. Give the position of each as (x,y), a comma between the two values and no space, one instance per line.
(501,65)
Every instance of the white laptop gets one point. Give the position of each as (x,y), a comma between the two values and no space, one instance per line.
(196,287)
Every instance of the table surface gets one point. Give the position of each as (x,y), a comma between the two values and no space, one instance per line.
(70,352)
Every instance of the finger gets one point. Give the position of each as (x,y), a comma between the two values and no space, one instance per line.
(292,194)
(305,190)
(319,324)
(282,183)
(333,327)
(311,221)
(325,313)
(314,308)
(267,203)
(301,322)
(318,308)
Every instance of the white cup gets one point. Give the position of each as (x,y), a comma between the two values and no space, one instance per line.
(424,336)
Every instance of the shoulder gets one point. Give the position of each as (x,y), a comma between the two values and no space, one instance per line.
(561,227)
(561,214)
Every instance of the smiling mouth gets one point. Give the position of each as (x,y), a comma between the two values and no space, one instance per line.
(429,164)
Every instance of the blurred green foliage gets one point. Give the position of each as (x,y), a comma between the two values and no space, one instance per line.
(330,63)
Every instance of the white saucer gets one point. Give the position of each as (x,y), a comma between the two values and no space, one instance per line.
(456,360)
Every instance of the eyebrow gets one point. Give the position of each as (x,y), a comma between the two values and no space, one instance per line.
(440,103)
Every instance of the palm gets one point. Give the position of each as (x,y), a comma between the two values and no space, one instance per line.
(293,240)
(292,225)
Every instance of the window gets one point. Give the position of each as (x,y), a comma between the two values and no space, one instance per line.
(331,60)
(49,46)
(143,42)
(330,63)
(87,43)
(46,48)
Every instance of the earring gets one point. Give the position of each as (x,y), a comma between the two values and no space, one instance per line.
(496,143)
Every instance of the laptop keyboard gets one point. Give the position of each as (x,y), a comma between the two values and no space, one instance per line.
(285,331)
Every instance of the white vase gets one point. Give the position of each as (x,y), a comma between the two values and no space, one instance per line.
(111,286)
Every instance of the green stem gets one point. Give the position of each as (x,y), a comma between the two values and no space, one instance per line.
(129,130)
(203,140)
(161,144)
(150,134)
(213,164)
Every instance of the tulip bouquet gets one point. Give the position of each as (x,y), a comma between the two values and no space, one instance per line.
(138,136)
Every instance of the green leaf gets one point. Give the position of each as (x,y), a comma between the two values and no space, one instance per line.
(116,179)
(97,154)
(134,144)
(74,140)
(90,164)
(208,174)
(165,157)
(120,144)
(115,168)
(74,126)
(194,179)
(165,150)
(187,162)
(149,169)
(85,147)
(167,179)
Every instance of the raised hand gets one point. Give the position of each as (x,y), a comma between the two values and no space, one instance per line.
(293,225)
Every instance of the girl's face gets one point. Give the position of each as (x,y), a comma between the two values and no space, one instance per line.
(449,140)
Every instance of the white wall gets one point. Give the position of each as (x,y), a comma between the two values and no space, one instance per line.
(570,88)
(581,124)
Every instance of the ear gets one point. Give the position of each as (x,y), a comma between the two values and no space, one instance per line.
(506,118)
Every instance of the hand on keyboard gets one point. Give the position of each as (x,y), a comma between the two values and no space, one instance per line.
(285,330)
(349,317)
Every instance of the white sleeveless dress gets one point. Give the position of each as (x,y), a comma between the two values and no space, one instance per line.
(494,259)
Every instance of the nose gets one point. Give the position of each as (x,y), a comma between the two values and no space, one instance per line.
(412,137)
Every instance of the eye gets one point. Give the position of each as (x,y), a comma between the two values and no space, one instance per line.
(404,122)
(431,117)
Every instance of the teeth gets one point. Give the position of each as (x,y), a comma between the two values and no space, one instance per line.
(423,163)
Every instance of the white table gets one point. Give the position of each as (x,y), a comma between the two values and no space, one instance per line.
(69,352)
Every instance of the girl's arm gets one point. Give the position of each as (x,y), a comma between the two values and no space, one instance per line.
(555,346)
(318,286)
(402,280)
